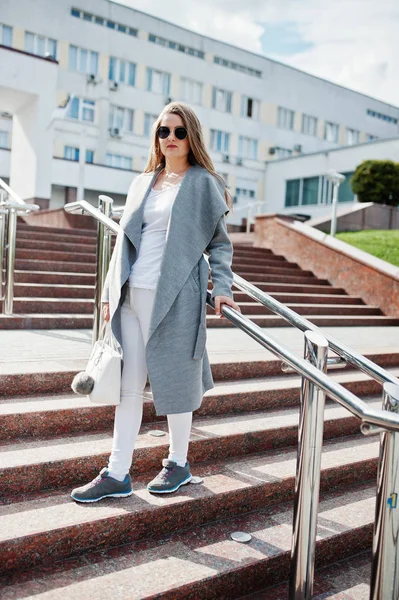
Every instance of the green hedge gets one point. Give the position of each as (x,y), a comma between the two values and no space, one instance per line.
(377,181)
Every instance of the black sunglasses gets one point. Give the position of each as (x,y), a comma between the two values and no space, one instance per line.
(180,132)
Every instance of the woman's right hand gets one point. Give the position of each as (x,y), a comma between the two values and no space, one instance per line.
(106,313)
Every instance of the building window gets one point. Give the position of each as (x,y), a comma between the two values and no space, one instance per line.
(82,60)
(331,132)
(221,99)
(72,153)
(81,109)
(4,139)
(285,118)
(220,141)
(158,81)
(237,67)
(40,45)
(279,152)
(245,193)
(122,71)
(382,117)
(370,137)
(310,191)
(250,107)
(309,125)
(149,121)
(118,161)
(316,190)
(292,189)
(191,91)
(352,136)
(247,147)
(91,18)
(120,118)
(5,35)
(156,39)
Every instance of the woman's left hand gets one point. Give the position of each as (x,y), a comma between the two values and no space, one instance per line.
(224,300)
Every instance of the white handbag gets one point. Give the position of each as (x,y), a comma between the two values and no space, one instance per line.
(104,367)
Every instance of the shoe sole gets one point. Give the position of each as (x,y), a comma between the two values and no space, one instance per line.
(171,490)
(121,495)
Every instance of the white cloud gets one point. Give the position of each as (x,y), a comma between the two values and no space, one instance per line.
(354,42)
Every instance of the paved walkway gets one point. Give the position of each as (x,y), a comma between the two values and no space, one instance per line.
(68,349)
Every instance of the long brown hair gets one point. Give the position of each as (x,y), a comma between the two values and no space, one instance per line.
(198,153)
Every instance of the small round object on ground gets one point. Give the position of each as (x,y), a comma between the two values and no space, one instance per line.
(156,432)
(195,479)
(241,536)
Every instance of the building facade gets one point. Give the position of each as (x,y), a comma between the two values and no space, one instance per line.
(121,66)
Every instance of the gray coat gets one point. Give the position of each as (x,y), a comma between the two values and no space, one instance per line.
(177,361)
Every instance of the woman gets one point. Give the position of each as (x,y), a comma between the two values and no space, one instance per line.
(155,296)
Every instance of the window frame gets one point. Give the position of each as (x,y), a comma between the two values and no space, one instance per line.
(226,99)
(83,56)
(283,114)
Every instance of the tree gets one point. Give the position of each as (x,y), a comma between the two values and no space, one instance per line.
(377,181)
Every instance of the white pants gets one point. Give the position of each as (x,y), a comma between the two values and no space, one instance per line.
(135,322)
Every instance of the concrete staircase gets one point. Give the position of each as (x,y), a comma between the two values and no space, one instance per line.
(54,285)
(243,446)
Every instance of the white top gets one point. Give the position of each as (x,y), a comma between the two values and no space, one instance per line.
(146,269)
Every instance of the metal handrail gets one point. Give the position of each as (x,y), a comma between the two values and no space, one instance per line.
(351,356)
(315,385)
(10,208)
(83,206)
(357,407)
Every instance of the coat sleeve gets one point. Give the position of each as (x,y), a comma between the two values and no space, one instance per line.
(220,251)
(105,292)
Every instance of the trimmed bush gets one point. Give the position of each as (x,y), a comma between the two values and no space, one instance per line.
(377,181)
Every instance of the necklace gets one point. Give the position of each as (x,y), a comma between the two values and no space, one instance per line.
(171,174)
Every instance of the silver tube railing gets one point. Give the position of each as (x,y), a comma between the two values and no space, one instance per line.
(307,488)
(105,226)
(11,205)
(316,384)
(385,565)
(351,356)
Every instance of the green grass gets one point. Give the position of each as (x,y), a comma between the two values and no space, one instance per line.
(381,243)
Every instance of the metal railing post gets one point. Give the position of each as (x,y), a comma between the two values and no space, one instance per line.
(307,484)
(103,259)
(3,216)
(384,582)
(10,262)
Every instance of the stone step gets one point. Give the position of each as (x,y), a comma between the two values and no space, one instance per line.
(35,245)
(80,321)
(30,466)
(348,579)
(39,528)
(264,262)
(54,265)
(254,308)
(34,229)
(63,290)
(319,320)
(55,256)
(256,257)
(85,306)
(299,298)
(50,381)
(268,277)
(78,237)
(280,269)
(50,277)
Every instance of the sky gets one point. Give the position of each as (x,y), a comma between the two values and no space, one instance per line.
(354,43)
